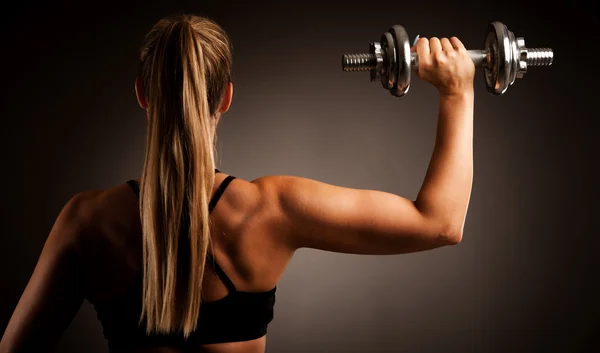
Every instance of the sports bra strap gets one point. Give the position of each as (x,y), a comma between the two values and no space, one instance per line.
(136,189)
(135,186)
(213,202)
(210,258)
(220,273)
(220,192)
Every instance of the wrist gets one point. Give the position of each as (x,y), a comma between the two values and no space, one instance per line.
(462,95)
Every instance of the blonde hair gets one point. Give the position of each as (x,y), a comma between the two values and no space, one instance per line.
(185,69)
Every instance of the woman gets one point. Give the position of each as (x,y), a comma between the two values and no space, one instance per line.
(187,257)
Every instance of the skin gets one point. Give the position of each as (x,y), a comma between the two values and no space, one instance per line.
(93,251)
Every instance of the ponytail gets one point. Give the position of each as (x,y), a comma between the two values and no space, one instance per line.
(178,174)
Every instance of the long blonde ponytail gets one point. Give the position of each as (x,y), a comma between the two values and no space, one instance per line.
(185,68)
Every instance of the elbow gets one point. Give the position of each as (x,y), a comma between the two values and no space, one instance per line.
(451,236)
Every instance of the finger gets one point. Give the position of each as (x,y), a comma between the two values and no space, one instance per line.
(446,45)
(422,47)
(423,53)
(456,43)
(435,45)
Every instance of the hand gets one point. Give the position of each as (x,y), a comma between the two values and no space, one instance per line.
(445,64)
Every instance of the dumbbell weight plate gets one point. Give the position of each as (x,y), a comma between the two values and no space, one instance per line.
(498,70)
(388,46)
(403,59)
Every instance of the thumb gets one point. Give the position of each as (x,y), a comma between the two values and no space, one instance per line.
(414,45)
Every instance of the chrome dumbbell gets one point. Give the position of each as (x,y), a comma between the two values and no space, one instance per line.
(504,59)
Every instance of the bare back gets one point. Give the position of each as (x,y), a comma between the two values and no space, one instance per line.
(94,250)
(243,247)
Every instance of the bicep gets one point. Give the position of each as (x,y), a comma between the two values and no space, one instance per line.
(340,219)
(51,298)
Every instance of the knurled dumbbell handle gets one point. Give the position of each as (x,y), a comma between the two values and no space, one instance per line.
(479,58)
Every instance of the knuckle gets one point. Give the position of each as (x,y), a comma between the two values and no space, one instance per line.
(424,63)
(438,58)
(438,55)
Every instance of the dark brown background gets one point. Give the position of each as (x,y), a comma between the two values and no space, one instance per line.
(524,277)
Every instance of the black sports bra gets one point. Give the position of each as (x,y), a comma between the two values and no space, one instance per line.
(239,316)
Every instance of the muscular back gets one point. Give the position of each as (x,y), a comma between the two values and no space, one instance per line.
(112,252)
(94,249)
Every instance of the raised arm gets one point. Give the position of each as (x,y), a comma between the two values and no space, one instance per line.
(318,215)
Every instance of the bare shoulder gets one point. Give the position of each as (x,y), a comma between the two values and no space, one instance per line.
(287,193)
(272,191)
(95,205)
(81,205)
(274,188)
(314,214)
(95,212)
(259,195)
(73,222)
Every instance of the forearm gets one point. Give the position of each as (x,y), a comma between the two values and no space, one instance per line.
(446,190)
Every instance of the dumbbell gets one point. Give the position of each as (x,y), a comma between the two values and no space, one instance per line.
(504,59)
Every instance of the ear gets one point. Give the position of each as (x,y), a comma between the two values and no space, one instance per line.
(139,92)
(227,98)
